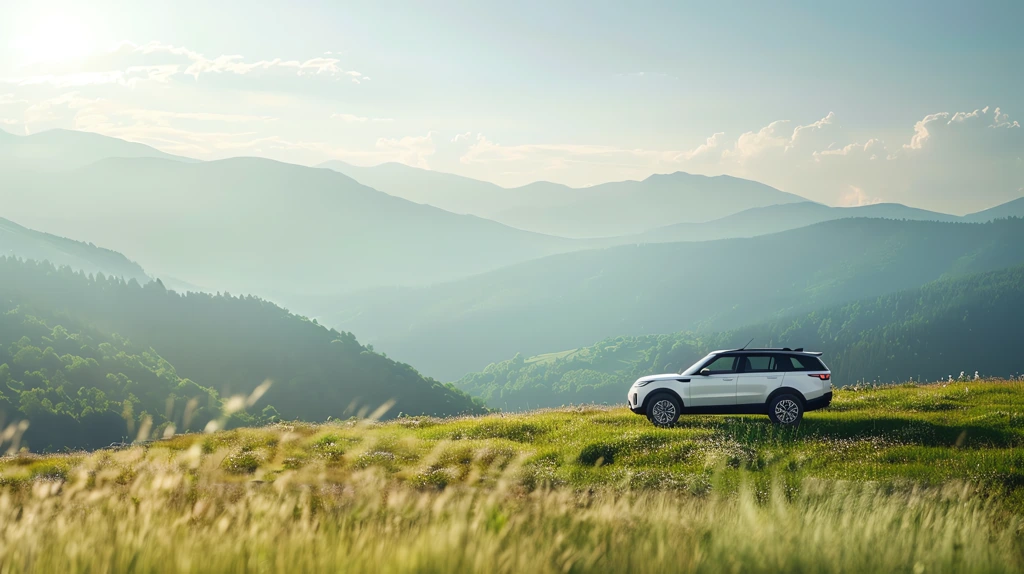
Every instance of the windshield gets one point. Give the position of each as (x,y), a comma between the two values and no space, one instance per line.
(694,368)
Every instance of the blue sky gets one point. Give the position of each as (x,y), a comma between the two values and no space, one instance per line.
(844,103)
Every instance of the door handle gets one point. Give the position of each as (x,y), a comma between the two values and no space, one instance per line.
(775,377)
(726,379)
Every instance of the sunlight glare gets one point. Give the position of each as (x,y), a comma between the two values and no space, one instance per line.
(53,39)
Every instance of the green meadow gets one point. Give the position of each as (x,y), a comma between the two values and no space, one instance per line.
(914,478)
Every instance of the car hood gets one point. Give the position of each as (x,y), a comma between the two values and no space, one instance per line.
(662,377)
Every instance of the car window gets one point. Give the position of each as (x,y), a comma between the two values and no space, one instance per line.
(696,367)
(806,363)
(784,363)
(758,363)
(723,364)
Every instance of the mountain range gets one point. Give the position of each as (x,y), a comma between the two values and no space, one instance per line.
(68,149)
(604,210)
(573,299)
(259,226)
(942,329)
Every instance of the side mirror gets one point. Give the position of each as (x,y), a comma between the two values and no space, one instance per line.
(705,372)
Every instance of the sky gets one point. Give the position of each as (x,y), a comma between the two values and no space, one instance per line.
(846,103)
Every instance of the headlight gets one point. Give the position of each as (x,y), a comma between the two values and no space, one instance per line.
(642,383)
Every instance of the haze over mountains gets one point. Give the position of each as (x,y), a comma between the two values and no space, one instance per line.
(608,209)
(259,226)
(925,334)
(69,149)
(438,270)
(774,218)
(450,329)
(17,241)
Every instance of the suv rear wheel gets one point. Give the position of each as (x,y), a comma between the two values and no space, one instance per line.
(663,410)
(786,410)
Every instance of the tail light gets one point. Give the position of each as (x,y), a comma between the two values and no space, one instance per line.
(823,377)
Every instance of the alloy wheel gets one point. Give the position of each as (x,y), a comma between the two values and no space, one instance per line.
(664,412)
(787,411)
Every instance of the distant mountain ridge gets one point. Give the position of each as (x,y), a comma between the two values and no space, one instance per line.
(259,226)
(1013,208)
(568,300)
(608,209)
(929,333)
(60,149)
(775,218)
(24,243)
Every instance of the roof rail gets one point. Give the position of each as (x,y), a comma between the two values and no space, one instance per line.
(784,349)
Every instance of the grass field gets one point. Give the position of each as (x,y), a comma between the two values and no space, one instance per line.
(897,479)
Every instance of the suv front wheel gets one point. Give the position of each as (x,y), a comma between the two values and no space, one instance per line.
(663,410)
(786,410)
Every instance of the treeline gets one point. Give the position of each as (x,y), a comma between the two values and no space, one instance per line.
(968,324)
(96,348)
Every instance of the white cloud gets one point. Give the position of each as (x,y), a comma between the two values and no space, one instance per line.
(776,136)
(856,197)
(706,148)
(921,133)
(462,137)
(160,62)
(410,150)
(236,64)
(945,159)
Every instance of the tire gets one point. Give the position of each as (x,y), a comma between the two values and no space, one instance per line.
(786,410)
(663,410)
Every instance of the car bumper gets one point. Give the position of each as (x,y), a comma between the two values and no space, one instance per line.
(821,402)
(634,402)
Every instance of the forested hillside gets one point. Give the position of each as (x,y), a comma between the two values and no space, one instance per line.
(176,347)
(80,388)
(967,324)
(23,243)
(566,301)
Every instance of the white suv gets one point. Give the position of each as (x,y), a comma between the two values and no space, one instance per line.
(782,383)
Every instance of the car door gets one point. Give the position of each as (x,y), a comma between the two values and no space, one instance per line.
(718,387)
(758,375)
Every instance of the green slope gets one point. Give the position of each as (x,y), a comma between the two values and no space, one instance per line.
(20,242)
(259,226)
(226,345)
(947,327)
(569,300)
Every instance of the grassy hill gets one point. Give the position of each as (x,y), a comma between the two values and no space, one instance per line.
(571,300)
(941,329)
(258,226)
(895,479)
(73,346)
(20,242)
(609,209)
